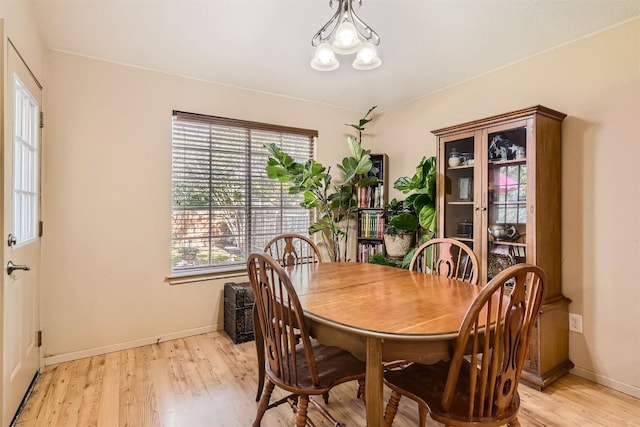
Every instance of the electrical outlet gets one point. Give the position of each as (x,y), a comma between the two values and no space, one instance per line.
(575,322)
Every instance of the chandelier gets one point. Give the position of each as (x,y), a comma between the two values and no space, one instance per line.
(345,34)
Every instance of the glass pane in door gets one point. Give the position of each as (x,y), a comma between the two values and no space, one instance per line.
(507,199)
(25,165)
(459,190)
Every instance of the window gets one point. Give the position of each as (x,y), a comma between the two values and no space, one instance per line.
(26,181)
(224,206)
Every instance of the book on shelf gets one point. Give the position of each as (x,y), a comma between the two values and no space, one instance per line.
(371,224)
(370,197)
(367,249)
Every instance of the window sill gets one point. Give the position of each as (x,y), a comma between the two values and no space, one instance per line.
(204,275)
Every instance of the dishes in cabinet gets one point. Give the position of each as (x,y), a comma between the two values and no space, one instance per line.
(502,148)
(467,159)
(503,232)
(465,229)
(496,262)
(457,159)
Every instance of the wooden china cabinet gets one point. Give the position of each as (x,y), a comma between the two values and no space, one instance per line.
(499,193)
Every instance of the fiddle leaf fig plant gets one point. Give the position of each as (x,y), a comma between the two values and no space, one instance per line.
(335,203)
(423,199)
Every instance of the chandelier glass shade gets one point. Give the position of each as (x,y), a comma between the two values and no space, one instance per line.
(345,34)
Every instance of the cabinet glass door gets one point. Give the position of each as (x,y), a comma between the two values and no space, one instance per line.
(459,194)
(506,198)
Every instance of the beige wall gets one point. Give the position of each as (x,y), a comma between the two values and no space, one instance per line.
(107,199)
(596,82)
(20,26)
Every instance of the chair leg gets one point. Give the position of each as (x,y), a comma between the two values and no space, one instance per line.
(392,408)
(514,422)
(259,351)
(422,415)
(325,397)
(361,394)
(301,415)
(264,403)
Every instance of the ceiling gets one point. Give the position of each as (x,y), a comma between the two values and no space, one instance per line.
(265,45)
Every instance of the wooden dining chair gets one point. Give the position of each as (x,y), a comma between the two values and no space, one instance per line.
(293,249)
(446,257)
(294,362)
(288,249)
(479,385)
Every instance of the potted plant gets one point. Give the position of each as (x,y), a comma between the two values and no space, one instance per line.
(414,215)
(335,203)
(402,224)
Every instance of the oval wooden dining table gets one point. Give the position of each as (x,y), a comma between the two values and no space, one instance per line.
(381,314)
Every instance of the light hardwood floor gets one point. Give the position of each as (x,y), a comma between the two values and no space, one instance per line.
(207,381)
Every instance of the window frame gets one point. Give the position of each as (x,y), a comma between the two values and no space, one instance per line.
(253,150)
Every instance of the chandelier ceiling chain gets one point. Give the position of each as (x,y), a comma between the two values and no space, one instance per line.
(345,33)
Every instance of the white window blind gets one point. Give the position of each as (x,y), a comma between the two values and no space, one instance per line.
(224,206)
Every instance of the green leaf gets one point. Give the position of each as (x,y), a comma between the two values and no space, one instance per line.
(420,201)
(354,147)
(363,121)
(405,221)
(364,165)
(403,184)
(308,197)
(406,261)
(316,227)
(428,218)
(369,181)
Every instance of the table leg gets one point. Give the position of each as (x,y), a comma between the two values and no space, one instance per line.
(373,386)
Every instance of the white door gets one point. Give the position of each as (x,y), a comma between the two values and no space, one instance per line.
(21,354)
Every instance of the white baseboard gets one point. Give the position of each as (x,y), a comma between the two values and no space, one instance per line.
(608,382)
(67,357)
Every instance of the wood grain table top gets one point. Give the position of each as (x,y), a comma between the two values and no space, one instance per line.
(381,301)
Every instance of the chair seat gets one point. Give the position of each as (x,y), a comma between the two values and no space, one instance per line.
(426,383)
(335,366)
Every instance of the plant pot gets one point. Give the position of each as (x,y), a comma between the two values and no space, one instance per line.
(397,245)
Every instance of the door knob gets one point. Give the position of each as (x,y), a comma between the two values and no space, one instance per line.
(11,267)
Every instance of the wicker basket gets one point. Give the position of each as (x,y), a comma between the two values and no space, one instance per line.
(397,245)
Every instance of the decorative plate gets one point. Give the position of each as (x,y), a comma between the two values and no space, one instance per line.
(502,148)
(498,262)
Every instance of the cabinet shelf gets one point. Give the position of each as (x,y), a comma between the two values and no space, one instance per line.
(509,202)
(495,163)
(507,243)
(461,167)
(470,203)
